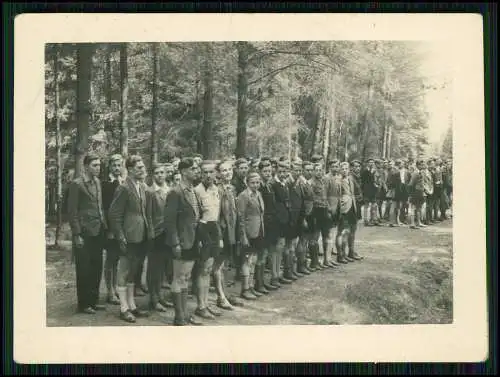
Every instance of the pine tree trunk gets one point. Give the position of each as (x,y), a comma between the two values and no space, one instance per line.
(346,151)
(107,86)
(242,116)
(326,139)
(198,114)
(384,140)
(58,147)
(366,121)
(208,146)
(154,108)
(315,132)
(84,65)
(290,136)
(388,143)
(124,100)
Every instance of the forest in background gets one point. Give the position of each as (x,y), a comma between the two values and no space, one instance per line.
(341,99)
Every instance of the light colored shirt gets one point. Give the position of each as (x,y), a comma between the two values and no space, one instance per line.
(402,173)
(164,189)
(209,202)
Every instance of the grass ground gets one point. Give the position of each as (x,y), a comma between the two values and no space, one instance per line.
(406,277)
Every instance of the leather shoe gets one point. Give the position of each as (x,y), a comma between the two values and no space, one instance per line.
(342,260)
(349,259)
(235,301)
(356,256)
(98,307)
(284,280)
(139,313)
(214,311)
(225,305)
(275,283)
(127,316)
(270,287)
(203,313)
(247,295)
(166,304)
(191,320)
(88,310)
(255,293)
(179,322)
(113,300)
(263,290)
(158,307)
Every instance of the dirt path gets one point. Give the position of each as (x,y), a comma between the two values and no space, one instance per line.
(405,278)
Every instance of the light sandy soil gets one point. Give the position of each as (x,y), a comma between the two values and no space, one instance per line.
(405,277)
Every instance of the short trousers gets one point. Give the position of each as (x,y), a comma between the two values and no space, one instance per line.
(321,222)
(271,233)
(417,199)
(210,240)
(347,220)
(135,253)
(296,229)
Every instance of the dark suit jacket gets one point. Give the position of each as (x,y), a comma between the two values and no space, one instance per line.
(393,183)
(127,213)
(228,214)
(85,212)
(358,190)
(416,186)
(181,223)
(297,201)
(269,199)
(239,184)
(155,209)
(251,215)
(333,192)
(368,183)
(282,203)
(108,192)
(348,195)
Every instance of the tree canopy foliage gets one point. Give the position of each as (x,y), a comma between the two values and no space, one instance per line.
(343,98)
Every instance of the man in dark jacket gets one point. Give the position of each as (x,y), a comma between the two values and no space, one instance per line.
(349,216)
(282,195)
(112,248)
(129,222)
(369,189)
(182,216)
(241,168)
(88,227)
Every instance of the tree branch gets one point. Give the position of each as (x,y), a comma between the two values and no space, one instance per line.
(274,73)
(264,53)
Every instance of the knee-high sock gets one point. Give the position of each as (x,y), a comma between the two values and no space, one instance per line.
(130,296)
(122,295)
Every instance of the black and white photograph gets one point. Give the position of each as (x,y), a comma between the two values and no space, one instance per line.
(250,182)
(205,183)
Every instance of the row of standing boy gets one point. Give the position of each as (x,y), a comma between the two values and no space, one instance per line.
(197,216)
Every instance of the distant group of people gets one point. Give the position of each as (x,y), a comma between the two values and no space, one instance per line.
(265,217)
